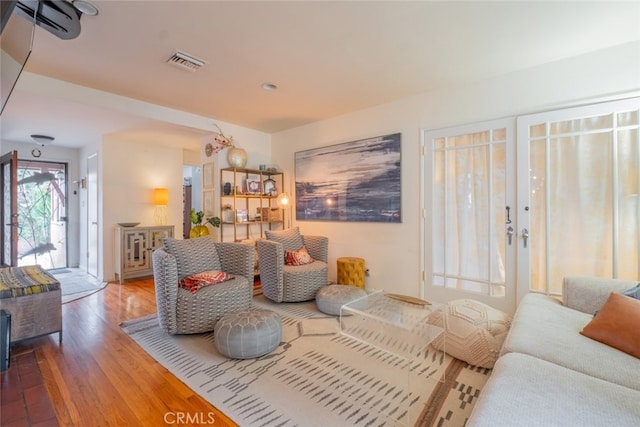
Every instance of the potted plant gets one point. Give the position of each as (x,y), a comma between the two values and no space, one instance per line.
(200,229)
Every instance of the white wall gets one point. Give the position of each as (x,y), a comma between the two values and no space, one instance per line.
(392,251)
(130,169)
(257,145)
(130,172)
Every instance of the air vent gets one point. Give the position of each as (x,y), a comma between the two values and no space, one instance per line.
(185,61)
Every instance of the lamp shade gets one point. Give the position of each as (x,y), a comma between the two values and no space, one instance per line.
(160,196)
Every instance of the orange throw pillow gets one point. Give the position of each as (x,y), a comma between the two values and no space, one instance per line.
(299,257)
(617,324)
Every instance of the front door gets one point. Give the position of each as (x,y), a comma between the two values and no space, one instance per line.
(42,214)
(9,235)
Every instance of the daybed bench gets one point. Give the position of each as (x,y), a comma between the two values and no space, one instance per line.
(33,298)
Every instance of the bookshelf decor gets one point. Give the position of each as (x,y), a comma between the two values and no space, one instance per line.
(252,208)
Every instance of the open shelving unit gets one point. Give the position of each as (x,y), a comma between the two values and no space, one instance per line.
(248,203)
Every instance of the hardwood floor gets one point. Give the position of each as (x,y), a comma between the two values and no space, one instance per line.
(98,376)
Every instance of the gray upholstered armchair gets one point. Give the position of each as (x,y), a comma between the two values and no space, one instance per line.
(292,283)
(183,312)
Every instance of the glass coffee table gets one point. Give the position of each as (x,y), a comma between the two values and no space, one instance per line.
(398,326)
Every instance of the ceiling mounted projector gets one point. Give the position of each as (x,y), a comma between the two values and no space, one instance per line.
(60,18)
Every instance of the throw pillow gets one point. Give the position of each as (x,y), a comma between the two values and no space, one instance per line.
(633,292)
(299,257)
(291,239)
(196,281)
(616,324)
(473,331)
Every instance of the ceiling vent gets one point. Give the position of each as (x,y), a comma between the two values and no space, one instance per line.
(185,61)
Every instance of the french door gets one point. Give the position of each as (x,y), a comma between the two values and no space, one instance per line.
(577,178)
(578,195)
(469,215)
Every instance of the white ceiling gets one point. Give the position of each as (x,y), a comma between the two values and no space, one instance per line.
(327,58)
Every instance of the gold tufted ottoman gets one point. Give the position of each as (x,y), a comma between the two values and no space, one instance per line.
(351,271)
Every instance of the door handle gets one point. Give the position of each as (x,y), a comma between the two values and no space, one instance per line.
(510,231)
(525,236)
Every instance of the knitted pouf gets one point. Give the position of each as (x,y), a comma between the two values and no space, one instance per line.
(474,331)
(331,298)
(248,334)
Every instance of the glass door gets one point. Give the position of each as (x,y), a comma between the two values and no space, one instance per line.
(469,222)
(42,214)
(578,192)
(9,235)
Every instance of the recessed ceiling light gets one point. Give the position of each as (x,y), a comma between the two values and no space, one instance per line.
(85,7)
(269,86)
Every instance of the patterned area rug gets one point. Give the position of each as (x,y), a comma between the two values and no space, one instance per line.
(333,379)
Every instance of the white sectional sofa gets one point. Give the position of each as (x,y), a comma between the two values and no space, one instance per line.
(548,374)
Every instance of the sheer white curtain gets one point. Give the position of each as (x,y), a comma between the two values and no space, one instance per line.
(469,212)
(583,181)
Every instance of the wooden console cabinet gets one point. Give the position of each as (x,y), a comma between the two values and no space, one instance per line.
(133,249)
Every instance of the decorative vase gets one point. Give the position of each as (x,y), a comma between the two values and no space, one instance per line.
(198,231)
(237,157)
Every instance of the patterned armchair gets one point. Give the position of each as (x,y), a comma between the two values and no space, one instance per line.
(292,283)
(183,312)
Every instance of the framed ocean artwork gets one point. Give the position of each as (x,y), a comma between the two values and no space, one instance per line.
(356,181)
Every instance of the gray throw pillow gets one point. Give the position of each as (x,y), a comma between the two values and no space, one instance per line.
(633,292)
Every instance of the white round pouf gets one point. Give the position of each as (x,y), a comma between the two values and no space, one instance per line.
(248,334)
(331,298)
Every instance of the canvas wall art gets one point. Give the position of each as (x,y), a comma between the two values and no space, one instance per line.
(357,181)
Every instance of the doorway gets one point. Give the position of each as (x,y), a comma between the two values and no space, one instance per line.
(191,191)
(42,214)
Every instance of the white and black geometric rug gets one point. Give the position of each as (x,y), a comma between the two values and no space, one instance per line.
(317,376)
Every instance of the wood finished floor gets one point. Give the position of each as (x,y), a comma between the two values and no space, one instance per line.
(98,376)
